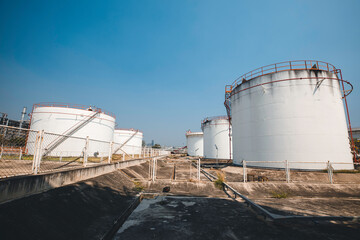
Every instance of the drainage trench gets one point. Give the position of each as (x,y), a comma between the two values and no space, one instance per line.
(125,215)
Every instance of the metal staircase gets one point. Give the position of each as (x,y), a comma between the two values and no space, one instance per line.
(68,133)
(119,148)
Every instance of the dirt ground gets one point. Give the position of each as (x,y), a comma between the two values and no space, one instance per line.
(308,194)
(10,168)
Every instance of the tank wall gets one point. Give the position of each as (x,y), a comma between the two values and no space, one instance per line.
(195,145)
(58,120)
(134,146)
(292,121)
(216,132)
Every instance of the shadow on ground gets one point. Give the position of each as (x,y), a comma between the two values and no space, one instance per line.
(85,210)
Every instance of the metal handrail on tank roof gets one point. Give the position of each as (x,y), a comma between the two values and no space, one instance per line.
(193,133)
(75,106)
(208,119)
(283,66)
(129,129)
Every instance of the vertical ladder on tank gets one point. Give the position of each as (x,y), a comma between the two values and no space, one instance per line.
(338,74)
(119,148)
(227,103)
(68,133)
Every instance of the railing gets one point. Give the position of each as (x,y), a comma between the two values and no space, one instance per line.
(75,106)
(209,119)
(129,129)
(193,133)
(284,66)
(294,165)
(22,152)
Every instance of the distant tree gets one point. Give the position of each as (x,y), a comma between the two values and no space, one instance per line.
(156,145)
(357,144)
(143,143)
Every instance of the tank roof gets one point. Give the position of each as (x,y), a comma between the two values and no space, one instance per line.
(75,106)
(209,119)
(129,129)
(282,66)
(189,133)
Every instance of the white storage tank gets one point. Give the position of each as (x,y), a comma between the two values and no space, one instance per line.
(131,137)
(195,143)
(216,137)
(76,121)
(290,111)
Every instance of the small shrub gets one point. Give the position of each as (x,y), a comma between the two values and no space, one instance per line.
(219,182)
(279,194)
(138,187)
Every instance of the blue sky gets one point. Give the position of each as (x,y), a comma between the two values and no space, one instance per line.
(161,66)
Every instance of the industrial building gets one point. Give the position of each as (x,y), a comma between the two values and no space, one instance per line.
(22,123)
(217,137)
(355,133)
(195,143)
(291,111)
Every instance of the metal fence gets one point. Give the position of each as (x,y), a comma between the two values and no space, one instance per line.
(282,171)
(25,151)
(174,170)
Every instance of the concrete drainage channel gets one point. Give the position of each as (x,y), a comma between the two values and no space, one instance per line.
(124,216)
(276,217)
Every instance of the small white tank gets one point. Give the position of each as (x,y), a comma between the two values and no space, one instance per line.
(195,143)
(290,111)
(216,137)
(132,139)
(62,119)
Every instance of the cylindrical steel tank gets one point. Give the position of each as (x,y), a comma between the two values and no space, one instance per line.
(216,137)
(195,143)
(290,111)
(132,139)
(78,122)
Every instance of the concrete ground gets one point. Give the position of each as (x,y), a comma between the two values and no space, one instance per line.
(170,217)
(192,209)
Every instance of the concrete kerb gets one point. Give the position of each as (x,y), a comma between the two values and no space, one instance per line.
(23,186)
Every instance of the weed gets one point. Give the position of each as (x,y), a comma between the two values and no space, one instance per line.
(279,194)
(138,187)
(219,182)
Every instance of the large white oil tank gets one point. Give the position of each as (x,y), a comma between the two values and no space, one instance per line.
(216,137)
(131,137)
(290,111)
(195,143)
(76,121)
